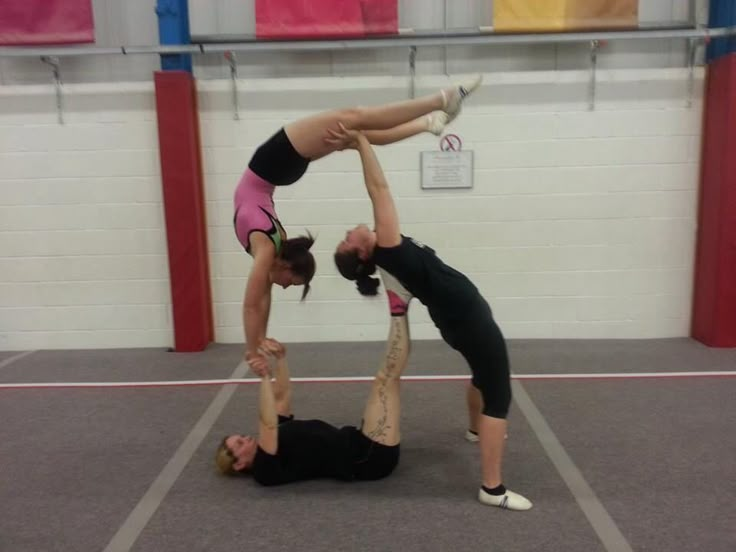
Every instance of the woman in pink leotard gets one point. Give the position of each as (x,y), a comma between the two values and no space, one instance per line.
(282,160)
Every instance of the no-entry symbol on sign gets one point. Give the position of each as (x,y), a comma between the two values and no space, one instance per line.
(451,142)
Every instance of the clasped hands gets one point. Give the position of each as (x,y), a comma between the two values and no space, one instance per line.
(343,138)
(260,362)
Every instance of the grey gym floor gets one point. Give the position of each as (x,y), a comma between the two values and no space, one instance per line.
(611,465)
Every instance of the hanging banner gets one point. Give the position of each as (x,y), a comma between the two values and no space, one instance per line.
(26,22)
(380,16)
(564,15)
(286,19)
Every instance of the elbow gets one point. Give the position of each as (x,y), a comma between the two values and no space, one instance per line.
(253,306)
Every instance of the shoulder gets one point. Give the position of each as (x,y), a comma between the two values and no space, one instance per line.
(261,245)
(407,247)
(263,460)
(265,469)
(381,249)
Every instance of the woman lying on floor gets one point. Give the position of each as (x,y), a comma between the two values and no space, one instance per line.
(288,450)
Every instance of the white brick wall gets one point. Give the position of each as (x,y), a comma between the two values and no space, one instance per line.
(580,224)
(82,248)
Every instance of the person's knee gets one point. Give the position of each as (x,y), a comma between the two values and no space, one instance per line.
(354,118)
(386,375)
(496,412)
(497,401)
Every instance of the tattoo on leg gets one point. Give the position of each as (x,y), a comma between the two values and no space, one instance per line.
(382,427)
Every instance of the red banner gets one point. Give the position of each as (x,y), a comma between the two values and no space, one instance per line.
(325,18)
(25,22)
(380,16)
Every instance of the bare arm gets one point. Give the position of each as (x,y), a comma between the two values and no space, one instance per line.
(282,379)
(268,426)
(257,300)
(384,210)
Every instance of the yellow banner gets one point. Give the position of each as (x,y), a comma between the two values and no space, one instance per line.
(563,15)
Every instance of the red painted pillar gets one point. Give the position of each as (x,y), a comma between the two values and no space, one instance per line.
(183,191)
(714,298)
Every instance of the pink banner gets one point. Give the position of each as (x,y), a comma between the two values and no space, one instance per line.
(25,22)
(325,18)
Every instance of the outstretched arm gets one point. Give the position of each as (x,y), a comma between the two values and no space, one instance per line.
(268,420)
(282,379)
(257,300)
(384,210)
(385,215)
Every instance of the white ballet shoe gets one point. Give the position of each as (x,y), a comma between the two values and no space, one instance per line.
(473,437)
(436,122)
(453,97)
(507,501)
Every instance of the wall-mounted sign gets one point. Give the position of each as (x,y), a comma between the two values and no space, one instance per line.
(447,169)
(451,142)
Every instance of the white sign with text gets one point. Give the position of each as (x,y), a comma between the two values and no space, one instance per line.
(447,169)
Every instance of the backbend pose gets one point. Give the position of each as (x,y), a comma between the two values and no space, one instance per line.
(282,160)
(288,450)
(454,303)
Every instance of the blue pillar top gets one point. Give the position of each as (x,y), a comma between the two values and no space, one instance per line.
(722,14)
(173,28)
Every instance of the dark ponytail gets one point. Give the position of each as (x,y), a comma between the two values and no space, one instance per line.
(295,252)
(352,267)
(368,285)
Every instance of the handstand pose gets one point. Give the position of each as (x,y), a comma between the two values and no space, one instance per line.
(454,303)
(288,450)
(282,160)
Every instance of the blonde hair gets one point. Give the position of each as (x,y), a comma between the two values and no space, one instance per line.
(225,459)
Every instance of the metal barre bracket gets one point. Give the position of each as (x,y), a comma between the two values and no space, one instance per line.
(693,45)
(412,70)
(594,47)
(233,63)
(54,63)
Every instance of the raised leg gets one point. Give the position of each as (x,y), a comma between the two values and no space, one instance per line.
(381,416)
(308,135)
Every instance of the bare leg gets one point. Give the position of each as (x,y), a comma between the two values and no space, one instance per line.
(398,133)
(308,135)
(491,433)
(383,408)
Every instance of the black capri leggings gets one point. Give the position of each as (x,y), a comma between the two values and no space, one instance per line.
(480,341)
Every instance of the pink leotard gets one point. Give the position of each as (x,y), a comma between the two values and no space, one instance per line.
(254,211)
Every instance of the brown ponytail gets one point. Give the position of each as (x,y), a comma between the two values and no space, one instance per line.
(352,267)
